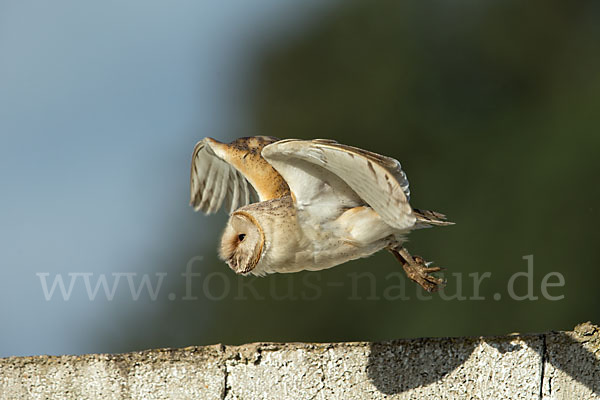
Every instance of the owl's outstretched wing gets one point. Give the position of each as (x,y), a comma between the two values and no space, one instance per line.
(316,168)
(214,180)
(233,173)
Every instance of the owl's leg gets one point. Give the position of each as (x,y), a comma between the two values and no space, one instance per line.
(417,269)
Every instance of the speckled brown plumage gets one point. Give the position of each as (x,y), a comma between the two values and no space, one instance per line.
(245,155)
(234,173)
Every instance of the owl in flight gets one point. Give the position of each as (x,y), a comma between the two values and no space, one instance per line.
(307,205)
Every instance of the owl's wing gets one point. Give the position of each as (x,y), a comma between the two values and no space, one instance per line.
(214,180)
(376,180)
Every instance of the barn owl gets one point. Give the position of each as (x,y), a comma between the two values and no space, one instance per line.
(307,205)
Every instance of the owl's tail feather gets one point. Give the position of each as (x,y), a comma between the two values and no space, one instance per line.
(427,219)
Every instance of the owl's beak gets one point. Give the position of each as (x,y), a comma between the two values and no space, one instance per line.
(234,263)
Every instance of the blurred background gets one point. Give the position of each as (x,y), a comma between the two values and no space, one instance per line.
(493,109)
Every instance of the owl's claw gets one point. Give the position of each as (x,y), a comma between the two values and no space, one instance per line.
(418,270)
(421,276)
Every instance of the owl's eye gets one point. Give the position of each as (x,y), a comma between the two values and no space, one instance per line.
(241,236)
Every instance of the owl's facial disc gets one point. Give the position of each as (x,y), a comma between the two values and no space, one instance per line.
(242,242)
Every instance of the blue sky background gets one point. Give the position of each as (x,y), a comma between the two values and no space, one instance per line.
(100,106)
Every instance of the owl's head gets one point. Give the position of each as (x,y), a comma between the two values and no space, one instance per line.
(242,242)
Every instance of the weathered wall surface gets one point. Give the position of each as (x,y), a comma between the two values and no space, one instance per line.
(558,365)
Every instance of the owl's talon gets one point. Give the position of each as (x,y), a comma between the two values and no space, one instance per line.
(421,276)
(418,270)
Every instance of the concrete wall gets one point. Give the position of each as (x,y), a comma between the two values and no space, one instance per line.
(561,365)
